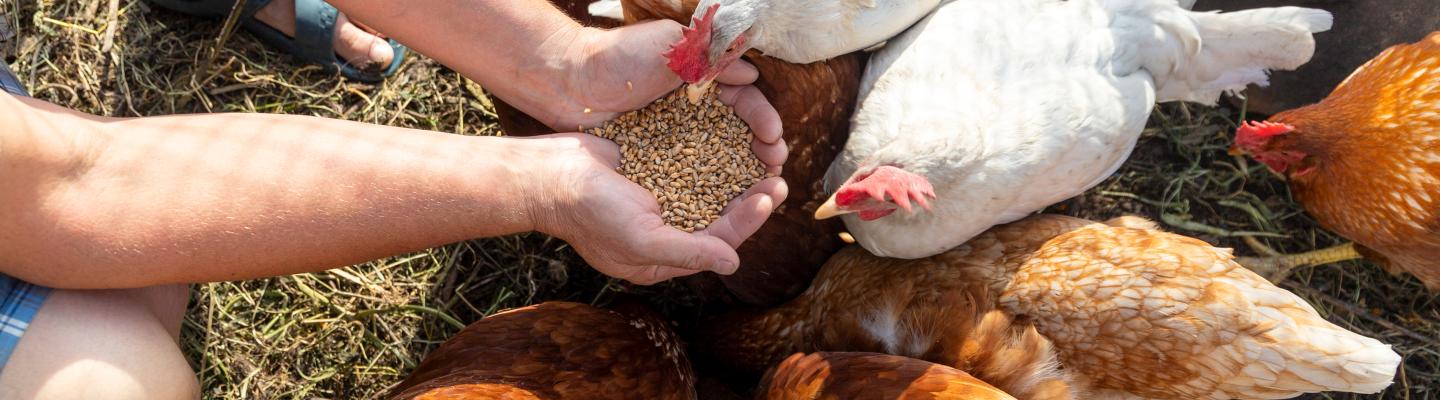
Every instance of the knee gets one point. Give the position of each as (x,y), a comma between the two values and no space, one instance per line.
(176,382)
(86,379)
(98,344)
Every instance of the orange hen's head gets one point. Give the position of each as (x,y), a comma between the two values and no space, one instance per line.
(1263,141)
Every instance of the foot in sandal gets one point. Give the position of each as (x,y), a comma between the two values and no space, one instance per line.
(312,31)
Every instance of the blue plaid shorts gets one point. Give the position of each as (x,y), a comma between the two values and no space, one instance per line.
(19,300)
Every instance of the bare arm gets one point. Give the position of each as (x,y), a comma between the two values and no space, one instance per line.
(536,58)
(87,202)
(515,48)
(93,202)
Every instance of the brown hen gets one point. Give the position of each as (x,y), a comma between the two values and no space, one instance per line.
(814,102)
(1130,310)
(556,350)
(935,309)
(871,376)
(1365,162)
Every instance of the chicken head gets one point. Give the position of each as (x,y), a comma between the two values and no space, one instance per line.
(699,57)
(877,193)
(1259,140)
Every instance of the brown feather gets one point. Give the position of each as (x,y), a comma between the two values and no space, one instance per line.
(557,350)
(478,391)
(930,309)
(870,376)
(1013,357)
(1152,314)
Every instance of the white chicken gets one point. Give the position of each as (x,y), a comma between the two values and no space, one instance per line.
(989,110)
(799,32)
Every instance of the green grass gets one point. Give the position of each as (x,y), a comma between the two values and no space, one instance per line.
(352,332)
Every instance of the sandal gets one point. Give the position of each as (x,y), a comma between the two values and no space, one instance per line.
(10,83)
(314,40)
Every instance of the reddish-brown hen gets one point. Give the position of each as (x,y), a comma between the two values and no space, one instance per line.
(871,376)
(1366,160)
(814,102)
(557,350)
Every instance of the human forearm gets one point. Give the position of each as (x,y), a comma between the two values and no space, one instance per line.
(515,48)
(219,197)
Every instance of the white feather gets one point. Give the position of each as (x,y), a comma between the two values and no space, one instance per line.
(607,9)
(1009,106)
(804,32)
(1306,352)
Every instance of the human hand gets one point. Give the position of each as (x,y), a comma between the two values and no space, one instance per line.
(615,224)
(619,70)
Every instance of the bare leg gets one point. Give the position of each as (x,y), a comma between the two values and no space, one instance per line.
(103,344)
(1276,267)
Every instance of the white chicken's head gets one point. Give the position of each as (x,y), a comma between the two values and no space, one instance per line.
(878,192)
(714,40)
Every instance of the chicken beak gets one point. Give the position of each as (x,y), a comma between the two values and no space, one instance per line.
(1235,151)
(829,210)
(697,90)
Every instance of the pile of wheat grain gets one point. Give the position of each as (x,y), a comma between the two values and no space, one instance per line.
(694,158)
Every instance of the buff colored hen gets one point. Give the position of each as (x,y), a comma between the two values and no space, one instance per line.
(1132,312)
(557,350)
(871,375)
(1140,312)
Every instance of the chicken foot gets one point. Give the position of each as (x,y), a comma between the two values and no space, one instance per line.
(1276,267)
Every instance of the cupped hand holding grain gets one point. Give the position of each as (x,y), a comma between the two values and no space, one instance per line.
(617,225)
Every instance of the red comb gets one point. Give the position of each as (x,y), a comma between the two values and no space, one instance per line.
(900,185)
(689,57)
(1254,134)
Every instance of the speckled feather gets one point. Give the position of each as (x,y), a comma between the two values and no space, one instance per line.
(1375,144)
(1131,311)
(1139,312)
(933,309)
(871,376)
(557,350)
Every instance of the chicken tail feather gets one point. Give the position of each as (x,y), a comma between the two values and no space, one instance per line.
(1211,53)
(1302,352)
(1328,359)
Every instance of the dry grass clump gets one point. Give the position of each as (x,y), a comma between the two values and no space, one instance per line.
(694,158)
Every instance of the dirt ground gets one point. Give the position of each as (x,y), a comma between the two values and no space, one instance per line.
(353,331)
